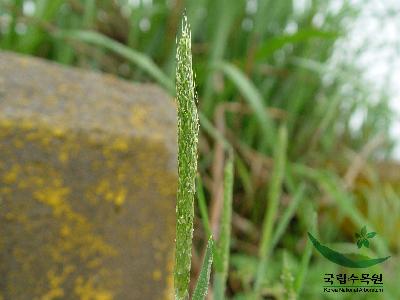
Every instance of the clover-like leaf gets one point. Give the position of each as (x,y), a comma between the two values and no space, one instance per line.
(364,231)
(366,243)
(357,235)
(370,235)
(359,243)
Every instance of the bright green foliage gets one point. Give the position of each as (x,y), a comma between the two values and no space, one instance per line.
(200,292)
(188,128)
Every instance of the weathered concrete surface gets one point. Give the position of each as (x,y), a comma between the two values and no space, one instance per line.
(87,184)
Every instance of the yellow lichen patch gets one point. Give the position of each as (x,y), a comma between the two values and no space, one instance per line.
(55,282)
(156,275)
(86,290)
(138,116)
(169,291)
(116,196)
(53,197)
(120,144)
(120,197)
(63,156)
(11,176)
(58,132)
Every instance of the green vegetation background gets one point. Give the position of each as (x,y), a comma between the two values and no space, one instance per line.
(259,65)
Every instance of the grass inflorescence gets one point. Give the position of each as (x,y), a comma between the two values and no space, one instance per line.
(188,130)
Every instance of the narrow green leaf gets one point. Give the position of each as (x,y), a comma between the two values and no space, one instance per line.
(222,251)
(226,10)
(277,42)
(253,98)
(141,60)
(306,257)
(287,215)
(274,194)
(200,291)
(203,206)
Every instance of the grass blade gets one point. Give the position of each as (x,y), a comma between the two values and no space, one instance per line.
(222,251)
(253,97)
(200,291)
(140,59)
(305,259)
(203,206)
(277,42)
(287,215)
(226,11)
(274,194)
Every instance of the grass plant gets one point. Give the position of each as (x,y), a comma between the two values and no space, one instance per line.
(259,66)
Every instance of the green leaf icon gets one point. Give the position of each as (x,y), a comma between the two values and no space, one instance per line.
(363,236)
(364,231)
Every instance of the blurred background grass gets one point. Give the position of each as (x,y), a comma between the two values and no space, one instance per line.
(259,65)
